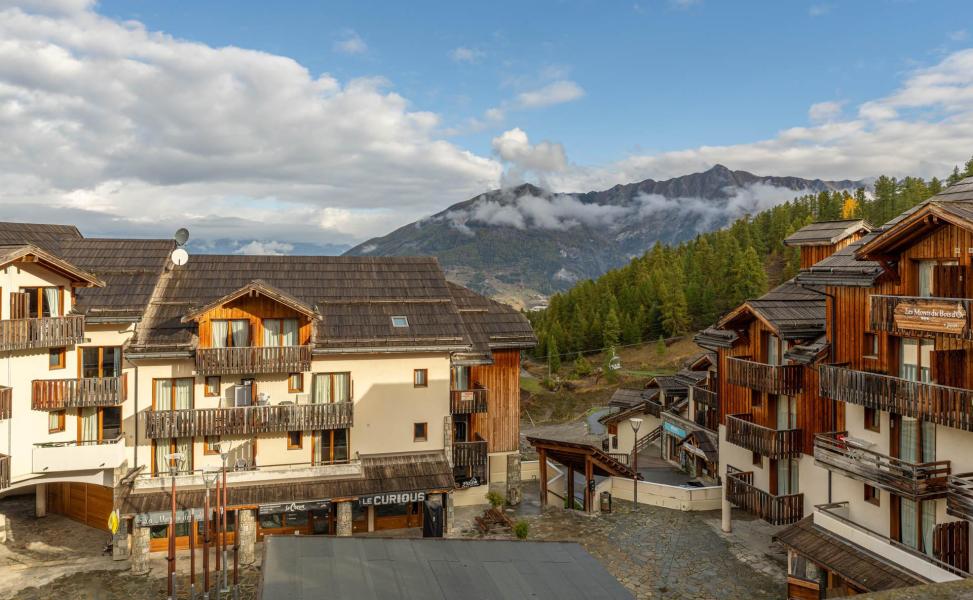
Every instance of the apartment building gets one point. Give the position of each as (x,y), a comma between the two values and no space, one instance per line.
(342,394)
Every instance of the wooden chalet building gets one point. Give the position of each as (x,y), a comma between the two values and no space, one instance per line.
(343,394)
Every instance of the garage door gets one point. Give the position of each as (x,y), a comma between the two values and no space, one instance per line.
(84,502)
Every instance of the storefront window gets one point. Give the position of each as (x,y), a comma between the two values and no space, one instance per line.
(275,521)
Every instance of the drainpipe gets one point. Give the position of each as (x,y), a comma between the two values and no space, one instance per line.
(135,457)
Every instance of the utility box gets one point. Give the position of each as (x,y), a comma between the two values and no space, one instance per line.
(606,502)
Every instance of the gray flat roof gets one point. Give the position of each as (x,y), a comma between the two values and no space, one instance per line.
(319,567)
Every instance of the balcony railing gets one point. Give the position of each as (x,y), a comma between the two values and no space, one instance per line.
(465,402)
(4,471)
(58,394)
(247,420)
(772,443)
(705,397)
(6,402)
(939,404)
(46,332)
(470,454)
(773,379)
(837,452)
(904,315)
(253,359)
(959,498)
(58,457)
(776,510)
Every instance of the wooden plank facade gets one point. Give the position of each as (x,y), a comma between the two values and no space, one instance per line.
(500,425)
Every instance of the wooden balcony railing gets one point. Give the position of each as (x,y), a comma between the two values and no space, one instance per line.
(247,420)
(959,498)
(4,471)
(465,402)
(904,315)
(939,404)
(253,359)
(470,454)
(58,394)
(773,379)
(776,510)
(47,332)
(6,402)
(772,443)
(835,452)
(705,397)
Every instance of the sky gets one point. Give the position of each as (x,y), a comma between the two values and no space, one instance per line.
(282,124)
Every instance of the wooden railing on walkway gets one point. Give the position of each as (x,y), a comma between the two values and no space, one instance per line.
(834,451)
(941,404)
(253,359)
(959,497)
(46,332)
(470,454)
(772,443)
(247,420)
(776,510)
(465,402)
(773,379)
(644,442)
(952,317)
(4,471)
(58,394)
(6,402)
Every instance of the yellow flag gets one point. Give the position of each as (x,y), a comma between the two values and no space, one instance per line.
(113,522)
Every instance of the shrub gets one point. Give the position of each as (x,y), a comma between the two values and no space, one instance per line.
(582,367)
(495,499)
(521,529)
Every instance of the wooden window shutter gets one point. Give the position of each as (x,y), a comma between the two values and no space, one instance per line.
(948,368)
(951,544)
(19,305)
(950,281)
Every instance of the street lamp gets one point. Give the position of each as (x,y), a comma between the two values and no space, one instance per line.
(224,449)
(176,460)
(210,477)
(636,423)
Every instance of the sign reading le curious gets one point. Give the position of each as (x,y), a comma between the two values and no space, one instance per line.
(938,316)
(393,498)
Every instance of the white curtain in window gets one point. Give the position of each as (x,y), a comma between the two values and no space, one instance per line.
(161,465)
(928,441)
(319,446)
(928,508)
(909,360)
(240,330)
(321,388)
(342,387)
(53,421)
(219,329)
(908,438)
(184,446)
(184,393)
(907,520)
(163,394)
(773,350)
(925,277)
(461,378)
(89,424)
(51,298)
(271,332)
(289,332)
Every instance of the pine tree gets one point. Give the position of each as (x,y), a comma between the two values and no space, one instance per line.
(553,358)
(749,277)
(612,329)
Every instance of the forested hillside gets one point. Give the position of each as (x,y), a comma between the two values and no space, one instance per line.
(671,290)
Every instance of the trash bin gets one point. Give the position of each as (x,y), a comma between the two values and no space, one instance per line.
(606,502)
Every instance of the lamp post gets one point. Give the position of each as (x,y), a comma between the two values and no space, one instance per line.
(636,423)
(224,454)
(210,477)
(175,460)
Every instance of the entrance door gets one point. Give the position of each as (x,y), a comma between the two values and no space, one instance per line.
(414,515)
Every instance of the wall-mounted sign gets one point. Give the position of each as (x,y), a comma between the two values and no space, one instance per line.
(466,396)
(164,517)
(292,507)
(472,482)
(674,430)
(393,498)
(937,316)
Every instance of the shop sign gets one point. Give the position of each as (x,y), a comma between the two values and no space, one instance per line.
(937,316)
(472,482)
(673,429)
(466,396)
(292,507)
(393,498)
(164,517)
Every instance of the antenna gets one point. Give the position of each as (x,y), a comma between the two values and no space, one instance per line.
(181,236)
(179,257)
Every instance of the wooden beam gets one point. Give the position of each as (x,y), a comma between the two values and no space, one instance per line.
(542,457)
(588,478)
(570,485)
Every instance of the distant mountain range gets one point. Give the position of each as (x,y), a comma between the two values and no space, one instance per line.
(524,243)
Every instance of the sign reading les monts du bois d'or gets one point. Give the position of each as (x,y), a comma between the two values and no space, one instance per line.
(164,517)
(392,498)
(938,316)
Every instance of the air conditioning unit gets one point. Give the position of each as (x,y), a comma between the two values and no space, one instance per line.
(263,399)
(242,395)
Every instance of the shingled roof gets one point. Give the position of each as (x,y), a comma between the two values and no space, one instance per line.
(791,310)
(826,233)
(843,268)
(45,235)
(490,324)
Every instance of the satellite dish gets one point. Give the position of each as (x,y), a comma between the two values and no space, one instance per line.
(179,257)
(182,236)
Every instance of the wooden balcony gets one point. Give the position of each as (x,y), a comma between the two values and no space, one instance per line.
(959,497)
(466,402)
(917,481)
(251,360)
(772,443)
(705,397)
(6,402)
(906,315)
(247,420)
(773,379)
(776,510)
(944,405)
(47,332)
(4,471)
(58,394)
(470,454)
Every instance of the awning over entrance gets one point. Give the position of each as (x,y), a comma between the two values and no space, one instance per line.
(576,456)
(382,475)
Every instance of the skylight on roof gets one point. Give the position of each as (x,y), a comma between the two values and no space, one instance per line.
(400,322)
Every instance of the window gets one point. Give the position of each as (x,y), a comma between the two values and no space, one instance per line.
(420,378)
(56,358)
(43,301)
(870,345)
(295,382)
(101,361)
(280,332)
(772,346)
(295,440)
(787,476)
(162,449)
(331,387)
(871,495)
(55,421)
(172,394)
(460,378)
(234,333)
(212,386)
(400,321)
(330,447)
(419,432)
(757,460)
(211,444)
(873,420)
(926,268)
(915,356)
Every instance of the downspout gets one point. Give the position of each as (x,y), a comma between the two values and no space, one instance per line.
(135,397)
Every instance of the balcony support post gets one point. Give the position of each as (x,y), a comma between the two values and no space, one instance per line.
(343,525)
(726,512)
(40,500)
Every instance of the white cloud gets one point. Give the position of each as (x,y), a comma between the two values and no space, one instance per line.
(466,55)
(558,92)
(959,35)
(556,212)
(819,10)
(270,248)
(351,43)
(823,112)
(514,147)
